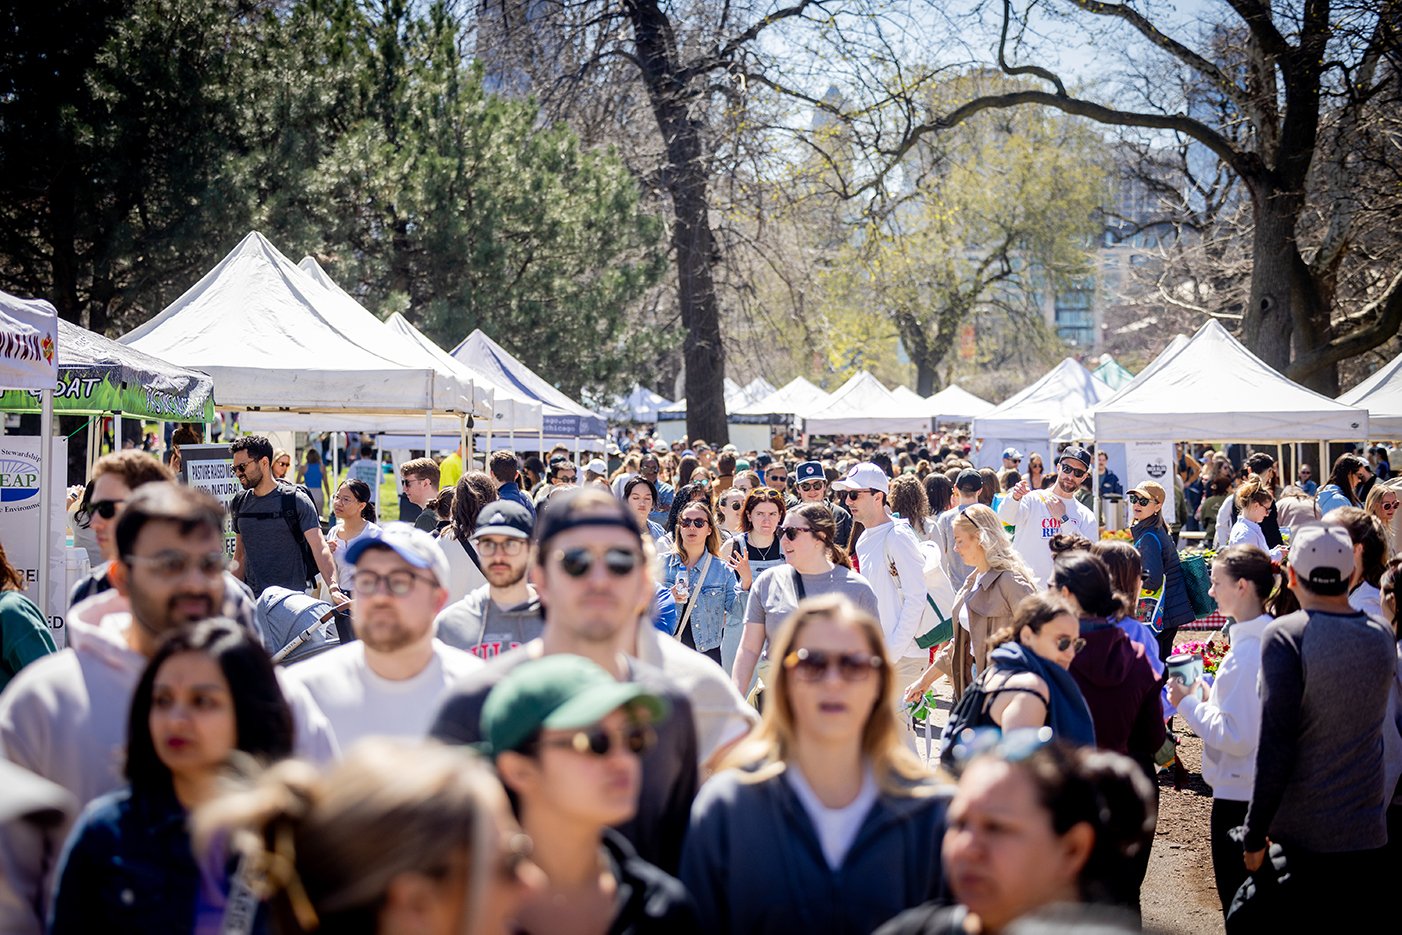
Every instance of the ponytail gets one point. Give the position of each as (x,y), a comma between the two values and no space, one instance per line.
(1268,578)
(819,518)
(367,512)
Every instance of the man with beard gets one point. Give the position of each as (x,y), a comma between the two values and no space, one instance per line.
(1041,514)
(64,717)
(265,514)
(390,681)
(505,612)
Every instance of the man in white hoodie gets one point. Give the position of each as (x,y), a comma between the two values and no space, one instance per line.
(65,716)
(890,558)
(1038,515)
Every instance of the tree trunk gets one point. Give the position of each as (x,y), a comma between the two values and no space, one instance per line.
(925,377)
(63,251)
(1268,320)
(692,238)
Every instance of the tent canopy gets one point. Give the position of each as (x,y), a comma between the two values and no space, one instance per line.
(1081,426)
(736,398)
(1063,391)
(1212,387)
(640,405)
(1114,375)
(98,375)
(859,406)
(273,338)
(28,344)
(1381,395)
(956,404)
(798,395)
(561,416)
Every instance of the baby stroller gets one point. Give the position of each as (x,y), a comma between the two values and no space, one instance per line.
(295,626)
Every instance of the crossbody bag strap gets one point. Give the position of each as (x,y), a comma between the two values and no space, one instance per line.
(695,593)
(798,583)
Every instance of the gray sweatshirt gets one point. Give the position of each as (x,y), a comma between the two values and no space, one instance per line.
(477,625)
(1325,684)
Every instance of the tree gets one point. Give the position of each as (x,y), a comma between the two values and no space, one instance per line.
(995,214)
(1301,75)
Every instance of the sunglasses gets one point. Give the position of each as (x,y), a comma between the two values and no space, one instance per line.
(578,561)
(791,532)
(105,508)
(1140,501)
(812,665)
(241,467)
(854,494)
(694,523)
(736,505)
(1064,643)
(781,478)
(1388,505)
(1074,472)
(812,485)
(636,739)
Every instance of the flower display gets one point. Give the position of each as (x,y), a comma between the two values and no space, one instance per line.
(1211,651)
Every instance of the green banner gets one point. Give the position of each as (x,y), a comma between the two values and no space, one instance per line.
(89,391)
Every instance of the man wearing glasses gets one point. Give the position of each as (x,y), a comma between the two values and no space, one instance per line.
(505,612)
(390,681)
(776,477)
(1041,514)
(812,483)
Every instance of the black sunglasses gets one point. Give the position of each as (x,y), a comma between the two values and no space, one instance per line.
(1074,472)
(577,561)
(598,742)
(811,665)
(791,532)
(105,508)
(1139,501)
(693,523)
(812,485)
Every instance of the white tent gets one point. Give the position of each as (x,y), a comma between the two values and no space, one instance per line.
(1024,421)
(1081,426)
(908,398)
(272,338)
(671,420)
(860,406)
(956,404)
(798,395)
(562,416)
(1381,395)
(1213,388)
(758,389)
(639,405)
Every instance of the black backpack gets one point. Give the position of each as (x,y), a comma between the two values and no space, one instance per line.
(288,513)
(969,712)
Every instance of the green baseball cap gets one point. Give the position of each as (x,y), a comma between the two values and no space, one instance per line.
(559,692)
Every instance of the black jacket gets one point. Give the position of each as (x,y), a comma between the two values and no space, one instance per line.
(1163,568)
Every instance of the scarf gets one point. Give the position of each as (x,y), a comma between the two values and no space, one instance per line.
(1067,714)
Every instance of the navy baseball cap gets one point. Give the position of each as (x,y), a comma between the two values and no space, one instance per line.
(809,471)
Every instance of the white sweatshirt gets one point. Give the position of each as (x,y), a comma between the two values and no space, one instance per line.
(1035,527)
(1229,721)
(894,566)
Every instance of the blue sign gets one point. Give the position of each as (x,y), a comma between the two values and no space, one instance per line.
(19,479)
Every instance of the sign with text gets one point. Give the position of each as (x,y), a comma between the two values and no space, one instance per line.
(21,487)
(211,469)
(1151,461)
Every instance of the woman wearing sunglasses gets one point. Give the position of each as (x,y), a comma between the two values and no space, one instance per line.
(730,504)
(1382,503)
(1042,833)
(1162,569)
(815,564)
(702,585)
(1228,716)
(820,820)
(565,737)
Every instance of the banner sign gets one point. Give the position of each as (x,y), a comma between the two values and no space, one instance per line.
(20,495)
(91,389)
(1152,461)
(211,468)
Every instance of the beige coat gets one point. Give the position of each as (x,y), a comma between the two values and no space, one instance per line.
(990,604)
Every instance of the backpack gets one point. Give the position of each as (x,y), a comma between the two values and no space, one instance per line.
(969,713)
(288,513)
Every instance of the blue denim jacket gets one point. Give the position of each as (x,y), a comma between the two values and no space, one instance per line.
(713,597)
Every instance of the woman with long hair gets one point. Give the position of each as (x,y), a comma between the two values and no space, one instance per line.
(1228,715)
(1382,503)
(208,698)
(24,633)
(702,585)
(1342,489)
(282,464)
(1162,568)
(820,820)
(815,564)
(1045,833)
(986,599)
(938,492)
(355,517)
(1254,501)
(641,496)
(1026,684)
(394,836)
(908,501)
(313,475)
(474,490)
(1036,472)
(687,494)
(729,503)
(1126,576)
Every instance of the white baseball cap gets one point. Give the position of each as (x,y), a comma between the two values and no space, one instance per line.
(864,476)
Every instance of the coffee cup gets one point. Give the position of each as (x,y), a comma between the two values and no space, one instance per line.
(1186,667)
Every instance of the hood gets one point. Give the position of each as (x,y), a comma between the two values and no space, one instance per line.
(1109,654)
(97,628)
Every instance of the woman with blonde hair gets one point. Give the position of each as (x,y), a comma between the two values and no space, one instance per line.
(1254,501)
(1382,503)
(986,600)
(820,820)
(399,836)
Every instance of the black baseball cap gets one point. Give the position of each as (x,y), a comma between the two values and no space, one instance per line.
(560,514)
(969,481)
(504,518)
(1075,453)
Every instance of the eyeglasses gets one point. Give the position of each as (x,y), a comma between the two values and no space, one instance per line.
(791,532)
(1140,501)
(504,546)
(565,478)
(1074,472)
(812,485)
(241,466)
(635,739)
(1064,643)
(694,523)
(178,564)
(578,561)
(398,582)
(105,508)
(812,665)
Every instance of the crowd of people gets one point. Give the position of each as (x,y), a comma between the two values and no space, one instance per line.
(682,689)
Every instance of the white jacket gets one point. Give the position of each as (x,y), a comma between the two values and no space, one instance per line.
(892,562)
(1035,526)
(1229,721)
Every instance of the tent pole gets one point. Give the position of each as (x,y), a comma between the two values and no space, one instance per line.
(46,495)
(428,434)
(335,461)
(1094,482)
(116,432)
(464,444)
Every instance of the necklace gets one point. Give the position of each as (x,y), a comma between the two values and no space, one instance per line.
(768,553)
